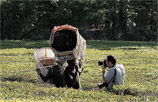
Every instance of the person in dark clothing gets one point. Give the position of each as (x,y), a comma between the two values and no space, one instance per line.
(71,75)
(63,76)
(55,75)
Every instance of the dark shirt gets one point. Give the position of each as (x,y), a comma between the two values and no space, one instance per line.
(55,75)
(48,76)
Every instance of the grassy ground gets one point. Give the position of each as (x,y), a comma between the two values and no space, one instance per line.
(139,58)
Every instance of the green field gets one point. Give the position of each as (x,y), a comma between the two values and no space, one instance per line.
(139,58)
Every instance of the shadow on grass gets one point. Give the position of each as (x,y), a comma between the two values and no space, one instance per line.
(135,92)
(19,79)
(128,91)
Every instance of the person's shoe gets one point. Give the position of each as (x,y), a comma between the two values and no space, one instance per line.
(107,90)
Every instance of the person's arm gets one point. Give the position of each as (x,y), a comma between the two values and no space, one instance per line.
(44,78)
(103,74)
(108,77)
(104,80)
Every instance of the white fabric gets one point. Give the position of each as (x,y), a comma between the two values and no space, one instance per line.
(44,53)
(41,54)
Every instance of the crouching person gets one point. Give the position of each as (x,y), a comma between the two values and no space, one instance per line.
(48,69)
(55,75)
(115,75)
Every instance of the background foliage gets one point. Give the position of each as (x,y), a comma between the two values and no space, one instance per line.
(139,58)
(96,19)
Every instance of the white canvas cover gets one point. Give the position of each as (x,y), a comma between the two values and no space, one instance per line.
(44,56)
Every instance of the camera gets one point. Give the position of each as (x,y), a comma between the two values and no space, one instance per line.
(102,63)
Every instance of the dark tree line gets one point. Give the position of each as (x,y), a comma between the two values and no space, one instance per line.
(96,19)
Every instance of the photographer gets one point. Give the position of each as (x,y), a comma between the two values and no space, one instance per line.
(115,75)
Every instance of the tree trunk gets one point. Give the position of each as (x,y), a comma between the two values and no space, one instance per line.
(113,36)
(152,13)
(123,19)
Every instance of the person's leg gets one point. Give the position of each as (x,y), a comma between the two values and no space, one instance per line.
(77,84)
(68,78)
(72,77)
(58,77)
(71,74)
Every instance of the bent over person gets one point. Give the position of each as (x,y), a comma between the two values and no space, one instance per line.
(62,76)
(115,75)
(48,69)
(55,75)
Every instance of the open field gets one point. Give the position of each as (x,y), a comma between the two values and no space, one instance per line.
(139,58)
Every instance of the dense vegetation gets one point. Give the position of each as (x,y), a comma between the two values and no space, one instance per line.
(96,19)
(139,58)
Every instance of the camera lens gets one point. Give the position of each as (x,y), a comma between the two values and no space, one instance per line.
(105,63)
(100,63)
